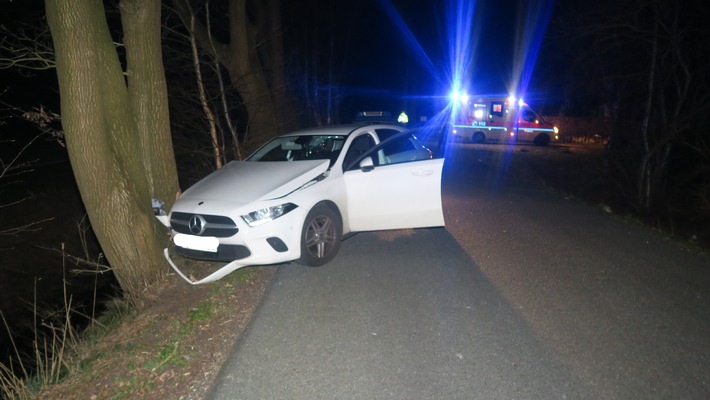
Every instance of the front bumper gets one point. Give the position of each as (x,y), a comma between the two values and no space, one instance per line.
(271,243)
(224,253)
(264,258)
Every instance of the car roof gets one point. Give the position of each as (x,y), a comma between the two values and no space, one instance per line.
(343,130)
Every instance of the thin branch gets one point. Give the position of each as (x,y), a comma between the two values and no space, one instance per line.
(30,227)
(28,48)
(5,168)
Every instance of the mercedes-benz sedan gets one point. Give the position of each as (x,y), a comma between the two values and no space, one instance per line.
(297,195)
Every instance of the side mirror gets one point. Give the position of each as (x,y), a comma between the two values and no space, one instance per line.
(366,164)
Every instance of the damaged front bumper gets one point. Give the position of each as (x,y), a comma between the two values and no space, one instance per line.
(259,252)
(162,216)
(215,276)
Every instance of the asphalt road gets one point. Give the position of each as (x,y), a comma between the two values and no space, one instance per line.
(524,295)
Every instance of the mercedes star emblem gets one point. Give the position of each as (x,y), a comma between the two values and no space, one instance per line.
(197,225)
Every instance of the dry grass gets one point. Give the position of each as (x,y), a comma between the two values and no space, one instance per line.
(171,350)
(54,338)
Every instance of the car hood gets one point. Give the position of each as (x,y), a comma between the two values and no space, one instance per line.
(243,182)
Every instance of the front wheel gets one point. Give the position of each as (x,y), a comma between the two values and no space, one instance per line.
(320,236)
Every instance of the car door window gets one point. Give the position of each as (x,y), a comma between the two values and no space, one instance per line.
(386,133)
(528,116)
(358,147)
(399,149)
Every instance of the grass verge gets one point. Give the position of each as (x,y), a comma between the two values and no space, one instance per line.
(173,349)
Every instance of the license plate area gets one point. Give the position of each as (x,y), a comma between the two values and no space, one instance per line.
(201,243)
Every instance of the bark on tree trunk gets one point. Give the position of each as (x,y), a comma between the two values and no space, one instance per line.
(104,143)
(148,94)
(247,75)
(272,56)
(645,181)
(246,72)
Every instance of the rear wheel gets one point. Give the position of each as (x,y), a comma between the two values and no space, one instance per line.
(320,236)
(542,139)
(478,137)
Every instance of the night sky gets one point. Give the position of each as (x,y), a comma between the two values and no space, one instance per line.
(419,64)
(400,52)
(393,54)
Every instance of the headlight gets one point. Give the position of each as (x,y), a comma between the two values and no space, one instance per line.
(267,214)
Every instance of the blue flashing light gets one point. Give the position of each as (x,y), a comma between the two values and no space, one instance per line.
(457,97)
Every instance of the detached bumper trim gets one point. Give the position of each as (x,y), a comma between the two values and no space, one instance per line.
(215,276)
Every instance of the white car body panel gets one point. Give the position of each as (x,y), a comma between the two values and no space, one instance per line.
(255,180)
(406,195)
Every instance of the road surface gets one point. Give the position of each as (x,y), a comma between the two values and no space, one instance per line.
(524,295)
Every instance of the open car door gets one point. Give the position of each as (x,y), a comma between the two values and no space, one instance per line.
(395,185)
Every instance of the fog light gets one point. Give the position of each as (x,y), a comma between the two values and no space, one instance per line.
(277,244)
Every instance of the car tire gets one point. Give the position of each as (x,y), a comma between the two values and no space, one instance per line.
(320,236)
(542,139)
(478,137)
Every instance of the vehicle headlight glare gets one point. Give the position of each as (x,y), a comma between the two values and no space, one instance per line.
(266,214)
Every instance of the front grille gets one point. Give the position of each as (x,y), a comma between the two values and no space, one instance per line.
(215,225)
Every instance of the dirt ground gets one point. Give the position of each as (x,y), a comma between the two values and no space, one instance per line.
(175,348)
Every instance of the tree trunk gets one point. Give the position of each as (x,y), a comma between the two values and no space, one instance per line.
(246,72)
(645,181)
(148,94)
(247,75)
(104,142)
(271,39)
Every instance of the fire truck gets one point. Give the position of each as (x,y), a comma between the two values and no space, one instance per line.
(503,120)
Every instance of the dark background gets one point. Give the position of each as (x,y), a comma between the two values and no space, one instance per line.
(392,56)
(398,55)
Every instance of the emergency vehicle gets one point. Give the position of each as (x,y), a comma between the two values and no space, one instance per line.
(495,119)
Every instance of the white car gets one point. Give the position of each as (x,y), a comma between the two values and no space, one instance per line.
(297,195)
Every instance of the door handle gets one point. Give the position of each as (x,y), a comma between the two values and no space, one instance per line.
(420,172)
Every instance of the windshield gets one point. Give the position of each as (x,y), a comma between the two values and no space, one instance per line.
(306,147)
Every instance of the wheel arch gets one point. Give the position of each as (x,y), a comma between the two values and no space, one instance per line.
(330,204)
(478,137)
(319,245)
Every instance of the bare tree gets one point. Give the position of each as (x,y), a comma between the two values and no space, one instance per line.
(644,62)
(26,48)
(10,170)
(206,118)
(116,128)
(12,167)
(246,58)
(320,55)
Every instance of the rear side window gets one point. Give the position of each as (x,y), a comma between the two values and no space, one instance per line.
(497,108)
